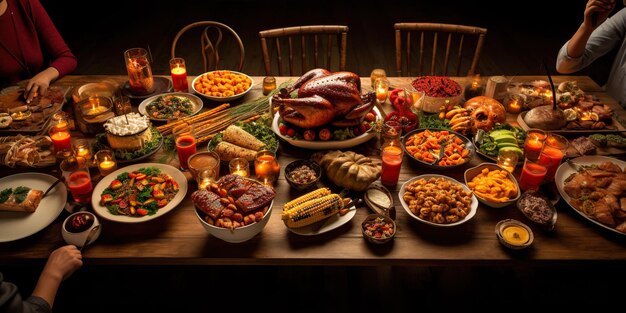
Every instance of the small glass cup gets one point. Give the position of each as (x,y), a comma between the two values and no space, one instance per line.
(185,144)
(533,174)
(179,75)
(555,148)
(105,159)
(122,105)
(239,166)
(534,143)
(507,159)
(77,179)
(206,176)
(266,167)
(140,79)
(269,84)
(82,149)
(381,86)
(377,73)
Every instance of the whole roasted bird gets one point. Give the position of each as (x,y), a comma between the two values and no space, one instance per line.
(324,97)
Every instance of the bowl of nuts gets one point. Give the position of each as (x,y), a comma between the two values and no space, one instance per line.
(378,228)
(303,174)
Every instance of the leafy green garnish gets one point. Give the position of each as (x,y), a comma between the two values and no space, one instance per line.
(258,129)
(4,194)
(144,195)
(152,208)
(149,171)
(432,121)
(20,193)
(122,177)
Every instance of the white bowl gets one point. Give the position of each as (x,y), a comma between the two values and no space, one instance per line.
(470,173)
(239,234)
(79,238)
(222,99)
(470,215)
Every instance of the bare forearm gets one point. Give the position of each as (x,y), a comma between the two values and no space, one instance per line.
(576,45)
(47,286)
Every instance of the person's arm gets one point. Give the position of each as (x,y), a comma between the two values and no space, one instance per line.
(590,41)
(54,47)
(61,264)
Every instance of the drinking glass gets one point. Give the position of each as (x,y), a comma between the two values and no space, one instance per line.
(555,148)
(534,143)
(533,174)
(185,144)
(140,77)
(377,73)
(239,166)
(77,178)
(507,159)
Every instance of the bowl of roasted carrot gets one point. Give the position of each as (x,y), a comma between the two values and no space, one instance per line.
(438,148)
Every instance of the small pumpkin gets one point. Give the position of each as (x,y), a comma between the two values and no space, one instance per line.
(348,169)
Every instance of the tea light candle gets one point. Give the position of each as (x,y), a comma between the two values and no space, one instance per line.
(239,166)
(265,166)
(60,135)
(106,162)
(514,106)
(205,177)
(81,149)
(381,86)
(269,84)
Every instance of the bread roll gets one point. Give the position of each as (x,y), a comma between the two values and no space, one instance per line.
(242,138)
(544,117)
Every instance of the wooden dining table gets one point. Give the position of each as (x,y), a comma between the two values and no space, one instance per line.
(178,238)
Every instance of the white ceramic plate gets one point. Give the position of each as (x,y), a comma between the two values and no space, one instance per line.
(321,145)
(328,224)
(195,101)
(222,99)
(18,225)
(103,212)
(565,170)
(473,206)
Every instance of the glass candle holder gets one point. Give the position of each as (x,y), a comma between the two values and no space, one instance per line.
(266,167)
(206,176)
(82,149)
(140,79)
(179,74)
(95,105)
(239,166)
(377,73)
(105,159)
(381,86)
(554,149)
(269,84)
(507,159)
(514,103)
(59,133)
(534,143)
(474,88)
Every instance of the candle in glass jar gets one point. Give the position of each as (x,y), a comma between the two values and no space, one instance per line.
(106,162)
(534,143)
(377,73)
(179,74)
(81,149)
(239,166)
(265,166)
(269,84)
(553,153)
(60,136)
(381,86)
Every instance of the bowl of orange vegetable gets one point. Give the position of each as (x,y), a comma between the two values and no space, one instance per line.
(222,85)
(425,147)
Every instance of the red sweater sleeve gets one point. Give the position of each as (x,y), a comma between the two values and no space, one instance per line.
(60,55)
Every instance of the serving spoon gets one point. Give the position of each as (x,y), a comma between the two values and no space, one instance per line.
(51,187)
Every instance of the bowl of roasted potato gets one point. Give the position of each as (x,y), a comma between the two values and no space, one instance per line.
(222,85)
(492,185)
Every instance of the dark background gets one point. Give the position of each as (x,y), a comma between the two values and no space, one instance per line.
(520,36)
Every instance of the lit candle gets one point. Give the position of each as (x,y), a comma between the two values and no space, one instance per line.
(60,136)
(106,162)
(265,166)
(534,143)
(514,107)
(179,74)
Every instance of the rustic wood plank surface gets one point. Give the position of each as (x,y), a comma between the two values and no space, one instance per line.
(178,237)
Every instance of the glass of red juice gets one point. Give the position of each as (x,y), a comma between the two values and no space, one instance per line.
(554,149)
(392,162)
(77,178)
(533,174)
(185,144)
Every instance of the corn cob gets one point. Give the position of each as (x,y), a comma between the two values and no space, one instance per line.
(313,211)
(320,192)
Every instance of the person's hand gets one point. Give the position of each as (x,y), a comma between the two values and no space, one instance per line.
(597,11)
(63,262)
(38,84)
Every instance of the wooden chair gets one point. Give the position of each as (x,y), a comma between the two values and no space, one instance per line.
(425,31)
(210,40)
(316,35)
